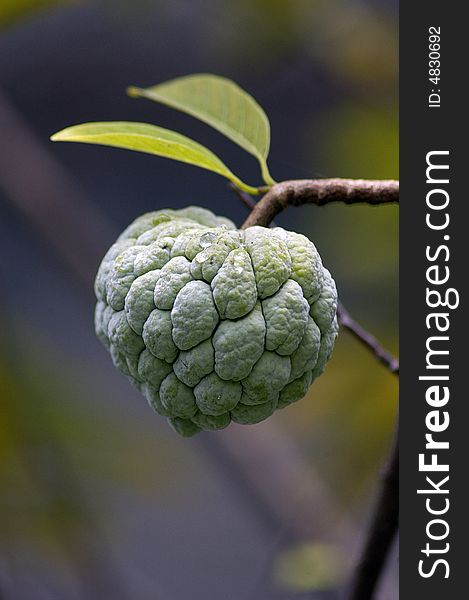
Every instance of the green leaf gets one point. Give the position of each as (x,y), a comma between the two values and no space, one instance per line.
(220,103)
(151,139)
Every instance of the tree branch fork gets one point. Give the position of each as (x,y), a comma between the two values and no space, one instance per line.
(384,520)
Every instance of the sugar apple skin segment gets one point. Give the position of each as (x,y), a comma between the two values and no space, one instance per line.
(214,324)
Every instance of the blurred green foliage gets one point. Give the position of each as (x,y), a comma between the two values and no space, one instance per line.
(307,567)
(14,11)
(358,140)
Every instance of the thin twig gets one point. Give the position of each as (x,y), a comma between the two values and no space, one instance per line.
(368,340)
(382,530)
(320,192)
(245,198)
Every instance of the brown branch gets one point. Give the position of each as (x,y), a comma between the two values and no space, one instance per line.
(320,192)
(367,339)
(381,532)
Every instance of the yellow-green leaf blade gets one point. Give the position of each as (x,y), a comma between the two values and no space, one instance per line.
(220,103)
(143,137)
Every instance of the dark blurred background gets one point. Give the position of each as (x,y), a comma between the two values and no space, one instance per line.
(98,497)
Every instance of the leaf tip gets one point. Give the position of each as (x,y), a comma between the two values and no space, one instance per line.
(133,91)
(64,135)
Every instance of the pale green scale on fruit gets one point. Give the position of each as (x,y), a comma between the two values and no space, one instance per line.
(307,269)
(268,376)
(194,315)
(102,316)
(132,366)
(177,397)
(214,396)
(325,349)
(157,335)
(239,345)
(286,317)
(172,278)
(234,287)
(193,241)
(305,357)
(165,231)
(183,241)
(154,400)
(296,388)
(122,336)
(152,257)
(119,360)
(208,262)
(120,277)
(191,365)
(249,415)
(213,324)
(199,242)
(261,399)
(270,258)
(152,370)
(139,300)
(324,309)
(210,422)
(106,265)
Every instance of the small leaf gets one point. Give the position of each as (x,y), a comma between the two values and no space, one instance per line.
(220,103)
(151,139)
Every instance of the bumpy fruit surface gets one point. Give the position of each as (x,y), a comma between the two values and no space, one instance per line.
(213,324)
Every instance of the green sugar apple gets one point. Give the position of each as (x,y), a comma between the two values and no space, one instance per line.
(213,324)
